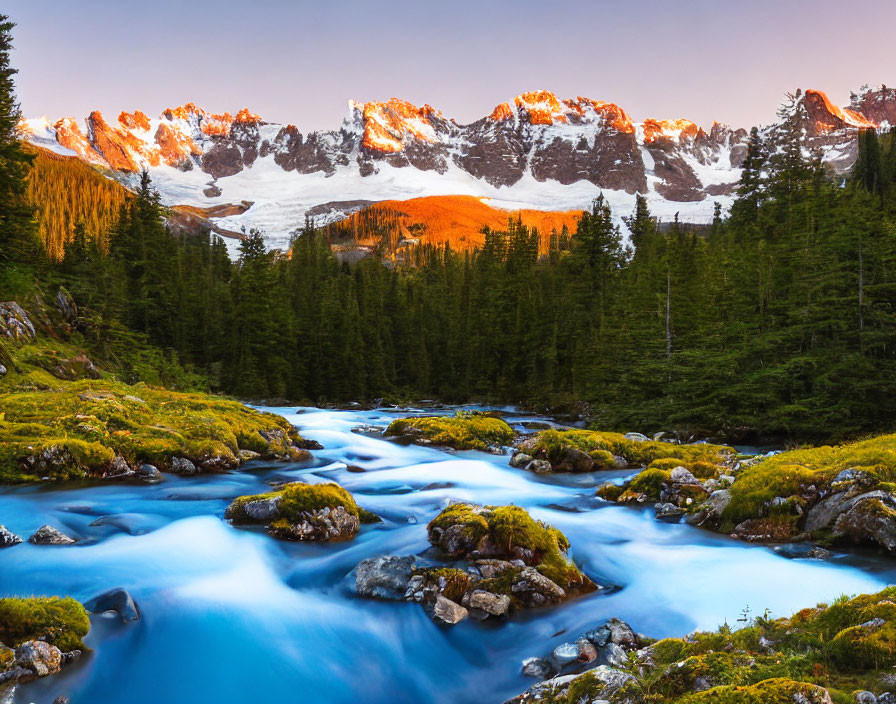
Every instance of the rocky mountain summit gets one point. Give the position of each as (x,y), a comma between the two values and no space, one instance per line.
(535,151)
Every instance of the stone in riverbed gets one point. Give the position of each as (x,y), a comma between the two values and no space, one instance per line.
(540,668)
(539,466)
(534,589)
(38,659)
(48,535)
(324,524)
(149,473)
(492,604)
(8,538)
(448,612)
(520,460)
(384,577)
(183,466)
(118,600)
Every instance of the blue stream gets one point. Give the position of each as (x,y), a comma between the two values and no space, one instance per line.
(231,616)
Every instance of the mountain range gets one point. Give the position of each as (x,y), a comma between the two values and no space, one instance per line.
(536,152)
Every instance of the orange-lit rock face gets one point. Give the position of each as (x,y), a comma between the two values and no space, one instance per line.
(246,117)
(612,114)
(135,120)
(69,135)
(175,148)
(667,129)
(386,125)
(115,146)
(826,116)
(541,106)
(501,112)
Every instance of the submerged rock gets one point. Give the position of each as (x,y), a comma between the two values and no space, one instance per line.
(117,600)
(48,535)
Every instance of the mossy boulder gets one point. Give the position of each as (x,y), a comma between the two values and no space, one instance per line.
(507,533)
(106,429)
(819,655)
(61,621)
(463,431)
(591,450)
(302,512)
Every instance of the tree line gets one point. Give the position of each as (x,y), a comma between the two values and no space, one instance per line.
(777,319)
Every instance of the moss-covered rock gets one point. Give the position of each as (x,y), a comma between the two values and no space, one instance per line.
(817,656)
(463,431)
(507,533)
(302,512)
(97,429)
(60,621)
(567,450)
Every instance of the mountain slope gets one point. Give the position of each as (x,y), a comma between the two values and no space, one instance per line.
(534,152)
(438,220)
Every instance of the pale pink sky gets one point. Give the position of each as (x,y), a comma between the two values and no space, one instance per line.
(300,61)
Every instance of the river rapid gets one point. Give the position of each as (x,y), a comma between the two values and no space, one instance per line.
(232,616)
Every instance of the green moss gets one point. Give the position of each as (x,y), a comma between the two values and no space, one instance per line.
(456,582)
(61,621)
(790,473)
(650,483)
(464,431)
(93,421)
(610,492)
(603,459)
(297,499)
(470,517)
(551,443)
(774,691)
(511,528)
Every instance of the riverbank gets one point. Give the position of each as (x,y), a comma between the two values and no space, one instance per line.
(204,586)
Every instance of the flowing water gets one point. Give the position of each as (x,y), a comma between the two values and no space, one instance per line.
(231,616)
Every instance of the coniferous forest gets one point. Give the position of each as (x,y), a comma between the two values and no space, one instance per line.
(777,319)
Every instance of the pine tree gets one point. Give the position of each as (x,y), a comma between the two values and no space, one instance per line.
(18,241)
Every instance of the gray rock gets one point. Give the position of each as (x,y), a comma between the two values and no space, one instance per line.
(263,510)
(38,658)
(869,519)
(48,535)
(614,631)
(565,653)
(8,538)
(62,699)
(572,459)
(384,577)
(520,460)
(855,476)
(448,612)
(539,466)
(492,604)
(680,475)
(610,679)
(886,698)
(587,651)
(717,502)
(636,437)
(613,655)
(119,469)
(249,455)
(668,511)
(321,525)
(540,668)
(534,589)
(181,465)
(620,462)
(3,371)
(149,472)
(489,569)
(865,698)
(118,600)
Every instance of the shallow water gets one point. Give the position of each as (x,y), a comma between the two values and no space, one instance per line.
(232,616)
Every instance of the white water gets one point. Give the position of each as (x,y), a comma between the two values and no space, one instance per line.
(233,616)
